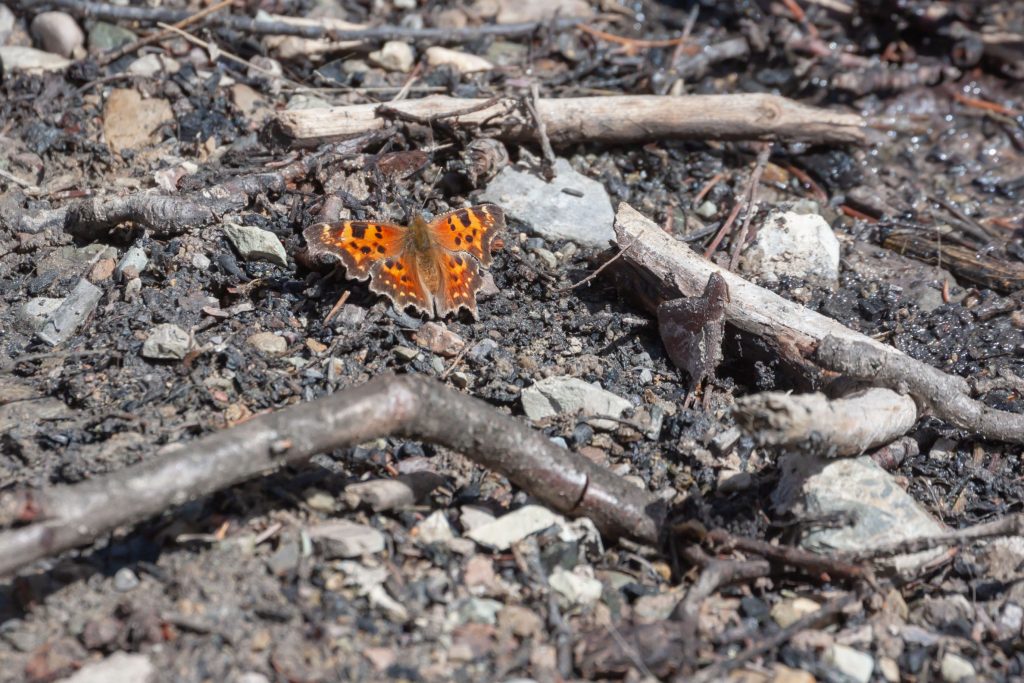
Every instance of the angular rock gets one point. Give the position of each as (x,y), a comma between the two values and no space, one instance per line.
(34,312)
(268,343)
(788,611)
(151,65)
(131,122)
(568,396)
(344,539)
(434,529)
(857,665)
(570,207)
(166,342)
(17,58)
(513,527)
(576,588)
(463,62)
(437,338)
(799,245)
(104,36)
(394,55)
(57,32)
(131,264)
(256,244)
(75,308)
(119,667)
(881,511)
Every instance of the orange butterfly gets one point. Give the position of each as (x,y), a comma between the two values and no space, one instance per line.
(431,266)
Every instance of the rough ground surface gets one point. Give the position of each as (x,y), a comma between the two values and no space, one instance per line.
(232,584)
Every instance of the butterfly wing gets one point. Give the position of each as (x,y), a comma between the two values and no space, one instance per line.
(399,278)
(471,230)
(358,244)
(460,279)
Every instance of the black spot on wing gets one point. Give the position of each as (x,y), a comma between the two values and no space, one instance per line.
(358,229)
(464,218)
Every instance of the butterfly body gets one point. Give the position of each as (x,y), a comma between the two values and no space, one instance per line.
(433,266)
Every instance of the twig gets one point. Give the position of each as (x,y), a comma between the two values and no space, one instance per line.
(720,540)
(635,43)
(405,406)
(755,180)
(156,37)
(598,270)
(1012,525)
(337,305)
(542,131)
(599,119)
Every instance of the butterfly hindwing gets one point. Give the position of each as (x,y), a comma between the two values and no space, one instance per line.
(399,279)
(460,280)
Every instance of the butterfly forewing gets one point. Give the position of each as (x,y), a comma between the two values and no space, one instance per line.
(359,244)
(471,230)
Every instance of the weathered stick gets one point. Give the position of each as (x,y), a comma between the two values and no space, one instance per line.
(610,120)
(798,335)
(846,426)
(407,406)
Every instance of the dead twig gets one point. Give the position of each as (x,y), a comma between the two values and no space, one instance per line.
(597,271)
(408,406)
(751,193)
(158,36)
(542,131)
(1012,525)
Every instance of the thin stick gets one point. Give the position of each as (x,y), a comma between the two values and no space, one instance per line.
(600,268)
(542,131)
(156,37)
(755,180)
(1012,525)
(337,305)
(724,230)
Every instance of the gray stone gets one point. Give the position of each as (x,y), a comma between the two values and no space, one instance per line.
(881,511)
(7,20)
(706,209)
(17,58)
(34,312)
(134,262)
(857,665)
(480,610)
(568,396)
(119,667)
(166,342)
(955,668)
(75,308)
(405,353)
(547,257)
(583,214)
(797,245)
(104,36)
(394,55)
(201,262)
(513,527)
(255,244)
(57,32)
(434,529)
(125,580)
(505,53)
(152,64)
(344,539)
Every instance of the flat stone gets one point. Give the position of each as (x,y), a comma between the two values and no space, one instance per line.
(75,308)
(434,529)
(151,65)
(102,270)
(20,59)
(405,353)
(569,396)
(517,11)
(570,207)
(513,527)
(799,245)
(345,539)
(104,36)
(268,343)
(34,312)
(463,62)
(576,588)
(955,668)
(882,512)
(256,244)
(789,611)
(57,32)
(394,55)
(437,338)
(119,667)
(135,260)
(131,122)
(166,342)
(857,665)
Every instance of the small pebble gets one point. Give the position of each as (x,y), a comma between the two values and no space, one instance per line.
(125,580)
(166,342)
(268,343)
(405,354)
(58,33)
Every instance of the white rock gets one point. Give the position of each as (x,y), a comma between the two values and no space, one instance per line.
(119,667)
(472,517)
(134,260)
(788,611)
(583,214)
(569,396)
(576,588)
(517,11)
(7,20)
(268,343)
(513,527)
(798,245)
(153,64)
(464,62)
(57,32)
(30,60)
(256,244)
(882,512)
(166,342)
(345,539)
(434,529)
(34,312)
(72,312)
(394,55)
(854,663)
(955,668)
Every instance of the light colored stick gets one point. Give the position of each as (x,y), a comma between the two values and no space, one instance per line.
(611,120)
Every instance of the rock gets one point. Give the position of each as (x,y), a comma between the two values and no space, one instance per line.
(802,246)
(434,529)
(130,122)
(256,244)
(344,539)
(119,667)
(268,343)
(405,354)
(166,342)
(320,501)
(125,580)
(71,313)
(151,65)
(784,674)
(132,263)
(437,338)
(576,588)
(7,21)
(101,270)
(955,668)
(479,610)
(513,527)
(858,488)
(789,611)
(568,396)
(505,53)
(463,62)
(34,312)
(104,36)
(706,209)
(16,58)
(857,665)
(473,517)
(516,11)
(889,668)
(545,256)
(250,102)
(583,214)
(251,677)
(57,32)
(394,55)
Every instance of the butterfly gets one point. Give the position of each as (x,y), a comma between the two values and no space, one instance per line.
(432,266)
